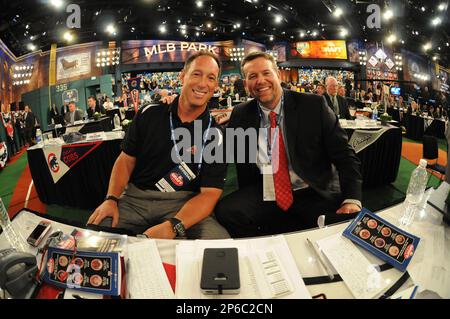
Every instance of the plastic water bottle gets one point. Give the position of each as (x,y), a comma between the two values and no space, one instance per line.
(414,194)
(38,136)
(229,103)
(14,239)
(116,121)
(375,114)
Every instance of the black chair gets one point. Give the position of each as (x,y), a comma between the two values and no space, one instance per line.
(431,153)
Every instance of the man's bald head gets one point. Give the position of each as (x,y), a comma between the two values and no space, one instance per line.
(332,85)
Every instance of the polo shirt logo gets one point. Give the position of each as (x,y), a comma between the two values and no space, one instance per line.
(176,178)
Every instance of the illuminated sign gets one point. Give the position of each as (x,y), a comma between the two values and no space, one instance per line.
(323,49)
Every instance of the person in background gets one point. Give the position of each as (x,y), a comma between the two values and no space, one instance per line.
(93,107)
(52,113)
(108,105)
(73,115)
(320,89)
(337,103)
(348,84)
(341,91)
(30,121)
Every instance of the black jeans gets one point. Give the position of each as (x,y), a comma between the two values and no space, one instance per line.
(245,214)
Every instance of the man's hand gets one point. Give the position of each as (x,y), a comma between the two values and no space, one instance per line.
(348,209)
(161,231)
(168,99)
(107,209)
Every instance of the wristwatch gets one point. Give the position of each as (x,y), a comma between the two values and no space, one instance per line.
(112,197)
(178,227)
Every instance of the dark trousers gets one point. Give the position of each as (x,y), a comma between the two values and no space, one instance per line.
(29,136)
(245,214)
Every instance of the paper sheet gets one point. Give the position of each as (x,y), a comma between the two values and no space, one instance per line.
(253,285)
(360,276)
(146,277)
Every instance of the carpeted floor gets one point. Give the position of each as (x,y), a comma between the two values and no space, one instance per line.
(15,184)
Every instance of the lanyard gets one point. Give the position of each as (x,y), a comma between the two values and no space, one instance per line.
(270,146)
(203,144)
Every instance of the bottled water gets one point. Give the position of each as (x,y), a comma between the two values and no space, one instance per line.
(14,239)
(375,113)
(38,136)
(414,194)
(116,121)
(229,103)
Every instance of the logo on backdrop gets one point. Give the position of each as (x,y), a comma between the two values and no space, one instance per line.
(52,161)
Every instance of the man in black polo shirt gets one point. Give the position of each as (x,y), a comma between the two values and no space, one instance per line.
(147,157)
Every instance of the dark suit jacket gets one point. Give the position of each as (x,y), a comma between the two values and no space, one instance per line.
(315,141)
(90,112)
(344,113)
(30,120)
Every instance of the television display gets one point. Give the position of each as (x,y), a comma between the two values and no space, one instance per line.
(395,90)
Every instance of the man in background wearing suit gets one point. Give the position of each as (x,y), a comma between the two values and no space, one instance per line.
(337,103)
(298,156)
(30,121)
(73,115)
(93,107)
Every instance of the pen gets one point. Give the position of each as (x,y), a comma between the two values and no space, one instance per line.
(78,297)
(319,257)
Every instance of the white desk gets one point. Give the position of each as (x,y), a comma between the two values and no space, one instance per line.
(305,258)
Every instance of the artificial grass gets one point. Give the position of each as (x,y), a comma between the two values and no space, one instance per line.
(9,177)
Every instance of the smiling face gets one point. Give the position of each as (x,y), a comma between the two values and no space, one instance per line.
(199,80)
(263,82)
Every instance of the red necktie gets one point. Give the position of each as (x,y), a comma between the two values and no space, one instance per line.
(282,182)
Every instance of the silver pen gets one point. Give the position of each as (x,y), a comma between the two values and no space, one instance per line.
(319,257)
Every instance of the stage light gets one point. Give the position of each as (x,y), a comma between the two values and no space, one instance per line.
(278,18)
(68,36)
(199,4)
(56,3)
(436,21)
(338,12)
(111,29)
(31,47)
(391,38)
(344,32)
(388,14)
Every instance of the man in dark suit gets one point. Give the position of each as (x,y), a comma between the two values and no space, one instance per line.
(73,115)
(337,103)
(93,107)
(64,109)
(30,121)
(298,160)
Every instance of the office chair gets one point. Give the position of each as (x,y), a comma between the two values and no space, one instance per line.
(431,153)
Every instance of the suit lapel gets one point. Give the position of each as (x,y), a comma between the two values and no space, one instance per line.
(291,122)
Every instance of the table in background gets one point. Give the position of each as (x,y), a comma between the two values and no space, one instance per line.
(84,185)
(416,128)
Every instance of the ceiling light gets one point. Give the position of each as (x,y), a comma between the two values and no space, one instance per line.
(197,33)
(338,12)
(391,38)
(211,14)
(31,47)
(302,34)
(427,46)
(423,9)
(56,3)
(278,18)
(388,14)
(442,6)
(68,36)
(162,29)
(344,32)
(199,4)
(436,21)
(314,33)
(271,38)
(111,29)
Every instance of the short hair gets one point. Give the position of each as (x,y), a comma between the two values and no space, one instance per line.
(321,85)
(92,98)
(192,58)
(72,102)
(258,54)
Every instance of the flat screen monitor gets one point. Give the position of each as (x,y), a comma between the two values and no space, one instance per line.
(112,112)
(395,90)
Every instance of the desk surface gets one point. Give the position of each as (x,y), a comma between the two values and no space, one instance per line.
(426,225)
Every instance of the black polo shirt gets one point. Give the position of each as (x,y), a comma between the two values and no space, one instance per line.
(148,139)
